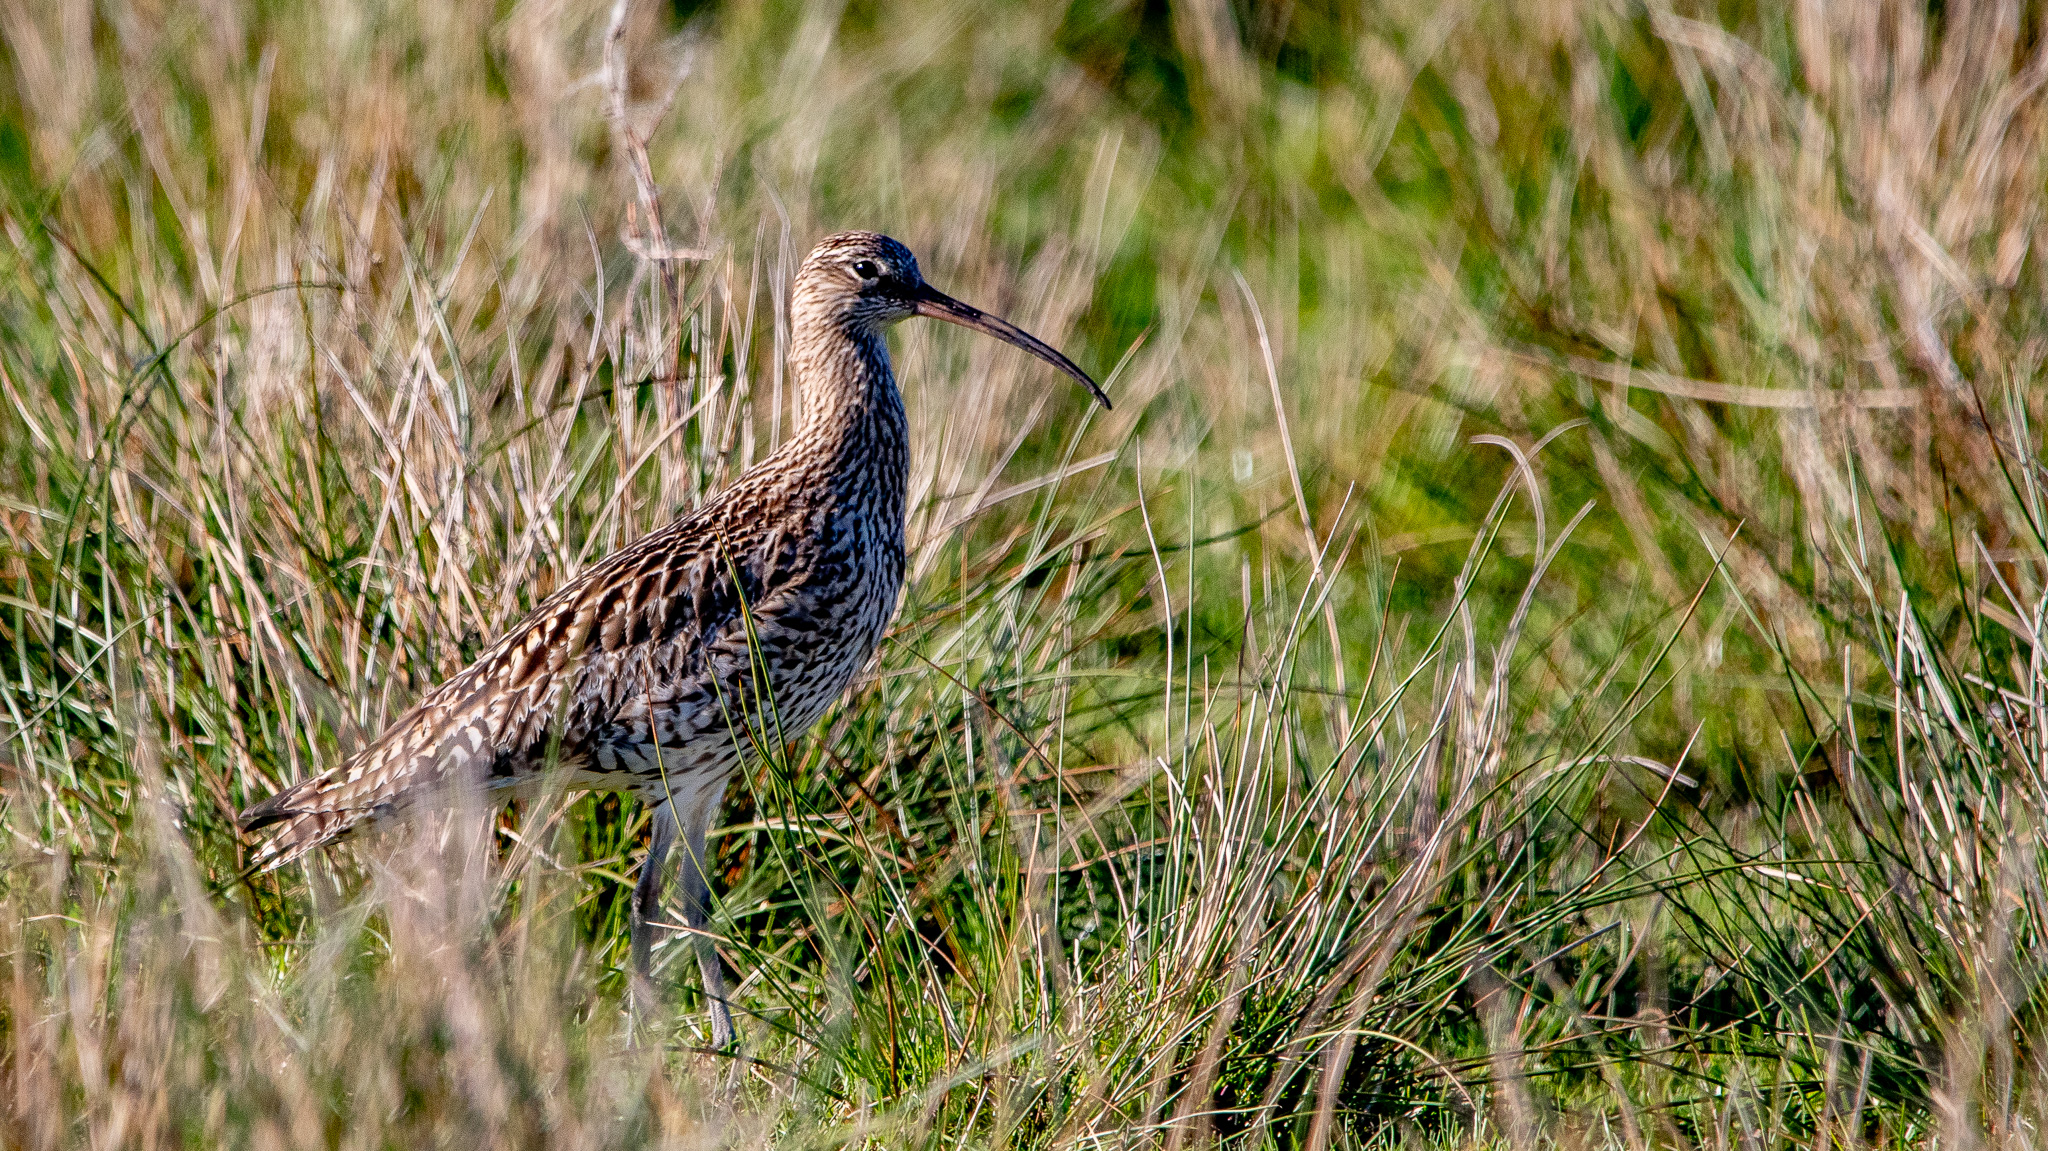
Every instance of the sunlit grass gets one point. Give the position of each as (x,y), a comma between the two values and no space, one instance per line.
(1545,649)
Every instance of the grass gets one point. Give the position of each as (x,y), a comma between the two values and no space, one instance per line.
(1545,651)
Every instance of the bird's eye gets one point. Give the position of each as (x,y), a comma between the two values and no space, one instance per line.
(867,269)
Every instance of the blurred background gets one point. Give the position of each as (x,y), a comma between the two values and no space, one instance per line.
(1546,648)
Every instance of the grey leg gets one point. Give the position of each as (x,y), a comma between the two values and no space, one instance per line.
(647,902)
(697,915)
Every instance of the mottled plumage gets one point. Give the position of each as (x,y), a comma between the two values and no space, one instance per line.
(657,671)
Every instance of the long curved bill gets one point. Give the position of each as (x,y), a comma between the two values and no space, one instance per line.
(929,301)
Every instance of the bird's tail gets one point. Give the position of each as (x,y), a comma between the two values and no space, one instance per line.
(407,758)
(455,733)
(310,814)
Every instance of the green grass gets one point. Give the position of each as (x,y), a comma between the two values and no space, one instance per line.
(1545,651)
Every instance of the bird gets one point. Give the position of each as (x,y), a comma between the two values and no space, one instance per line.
(689,652)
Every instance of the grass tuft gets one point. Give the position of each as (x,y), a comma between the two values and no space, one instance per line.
(1546,650)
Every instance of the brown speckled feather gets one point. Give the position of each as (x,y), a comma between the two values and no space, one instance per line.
(656,670)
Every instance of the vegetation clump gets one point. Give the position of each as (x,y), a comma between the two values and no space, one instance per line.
(1547,648)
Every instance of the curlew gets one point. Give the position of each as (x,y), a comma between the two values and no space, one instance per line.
(659,671)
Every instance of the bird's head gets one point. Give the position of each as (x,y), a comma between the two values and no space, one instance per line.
(865,280)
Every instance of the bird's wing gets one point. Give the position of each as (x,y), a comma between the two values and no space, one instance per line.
(561,672)
(456,732)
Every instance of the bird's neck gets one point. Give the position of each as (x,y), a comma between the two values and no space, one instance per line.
(850,417)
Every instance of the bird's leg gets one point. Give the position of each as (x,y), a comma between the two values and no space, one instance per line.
(647,904)
(697,916)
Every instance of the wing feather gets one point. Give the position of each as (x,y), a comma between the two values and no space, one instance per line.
(567,665)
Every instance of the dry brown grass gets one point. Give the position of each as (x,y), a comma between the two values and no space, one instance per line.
(335,337)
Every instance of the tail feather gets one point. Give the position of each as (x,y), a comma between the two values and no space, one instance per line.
(316,812)
(412,756)
(493,712)
(312,815)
